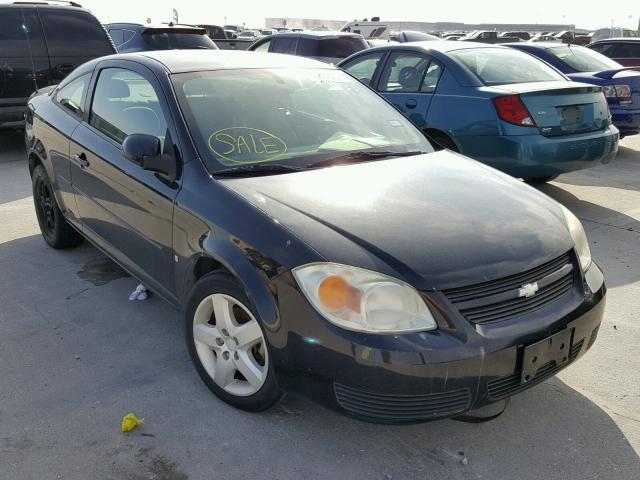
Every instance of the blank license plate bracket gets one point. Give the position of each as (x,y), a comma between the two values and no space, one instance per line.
(552,349)
(572,116)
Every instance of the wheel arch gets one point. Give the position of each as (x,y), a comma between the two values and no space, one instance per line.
(218,256)
(433,134)
(34,161)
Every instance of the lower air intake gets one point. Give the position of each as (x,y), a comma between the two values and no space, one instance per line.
(402,408)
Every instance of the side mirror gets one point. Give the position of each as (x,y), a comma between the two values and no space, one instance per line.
(144,150)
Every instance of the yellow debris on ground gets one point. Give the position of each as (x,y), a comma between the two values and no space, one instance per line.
(130,421)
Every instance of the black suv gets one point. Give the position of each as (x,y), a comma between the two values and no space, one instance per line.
(40,44)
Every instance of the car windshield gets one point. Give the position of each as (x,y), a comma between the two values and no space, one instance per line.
(499,66)
(177,41)
(292,117)
(581,59)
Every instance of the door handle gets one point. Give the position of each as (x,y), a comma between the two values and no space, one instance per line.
(411,104)
(81,160)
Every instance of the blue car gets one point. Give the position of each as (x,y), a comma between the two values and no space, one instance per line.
(494,104)
(621,85)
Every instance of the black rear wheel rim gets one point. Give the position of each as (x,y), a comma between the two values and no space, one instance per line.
(46,207)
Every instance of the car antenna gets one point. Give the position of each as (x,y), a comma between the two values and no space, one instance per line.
(33,65)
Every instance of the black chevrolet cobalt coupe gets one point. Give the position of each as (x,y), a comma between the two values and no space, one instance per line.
(312,238)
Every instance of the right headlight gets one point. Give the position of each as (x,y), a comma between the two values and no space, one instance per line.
(579,239)
(362,300)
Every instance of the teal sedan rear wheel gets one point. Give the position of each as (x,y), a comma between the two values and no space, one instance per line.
(538,180)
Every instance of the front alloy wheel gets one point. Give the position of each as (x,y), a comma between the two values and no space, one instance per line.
(230,345)
(227,344)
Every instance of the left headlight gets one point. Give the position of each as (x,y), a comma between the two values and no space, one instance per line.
(362,300)
(579,238)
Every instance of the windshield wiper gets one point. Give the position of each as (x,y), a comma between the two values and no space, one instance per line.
(257,169)
(355,157)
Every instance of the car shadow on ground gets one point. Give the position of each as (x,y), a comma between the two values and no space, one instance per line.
(11,146)
(618,244)
(590,211)
(540,429)
(14,165)
(551,431)
(622,173)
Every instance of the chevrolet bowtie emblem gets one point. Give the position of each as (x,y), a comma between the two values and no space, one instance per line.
(528,290)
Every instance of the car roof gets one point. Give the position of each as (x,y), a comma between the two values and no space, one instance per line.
(43,4)
(181,61)
(618,40)
(442,46)
(177,26)
(318,34)
(541,45)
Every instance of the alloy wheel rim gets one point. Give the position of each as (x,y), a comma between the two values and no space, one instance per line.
(230,345)
(46,207)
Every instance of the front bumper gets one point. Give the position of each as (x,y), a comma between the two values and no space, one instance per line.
(422,376)
(534,156)
(12,116)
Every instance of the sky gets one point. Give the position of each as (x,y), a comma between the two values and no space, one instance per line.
(583,13)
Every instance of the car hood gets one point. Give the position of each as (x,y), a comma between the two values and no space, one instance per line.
(437,220)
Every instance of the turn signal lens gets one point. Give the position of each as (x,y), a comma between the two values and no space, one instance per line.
(511,109)
(335,294)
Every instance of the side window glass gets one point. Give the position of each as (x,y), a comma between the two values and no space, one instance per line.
(263,47)
(74,34)
(124,103)
(431,78)
(307,47)
(72,95)
(403,73)
(284,45)
(364,67)
(20,34)
(117,36)
(624,50)
(603,48)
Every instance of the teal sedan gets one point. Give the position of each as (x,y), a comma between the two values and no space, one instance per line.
(497,105)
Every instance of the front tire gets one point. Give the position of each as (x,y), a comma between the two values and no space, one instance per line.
(228,346)
(53,226)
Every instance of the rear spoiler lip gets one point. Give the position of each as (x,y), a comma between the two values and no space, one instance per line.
(195,31)
(609,74)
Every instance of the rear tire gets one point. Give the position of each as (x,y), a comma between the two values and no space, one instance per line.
(228,346)
(540,180)
(441,141)
(53,226)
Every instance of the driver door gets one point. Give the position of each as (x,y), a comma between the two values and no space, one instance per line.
(125,210)
(409,81)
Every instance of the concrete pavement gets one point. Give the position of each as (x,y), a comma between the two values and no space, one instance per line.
(76,355)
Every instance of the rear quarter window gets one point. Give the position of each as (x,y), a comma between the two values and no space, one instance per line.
(71,33)
(20,34)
